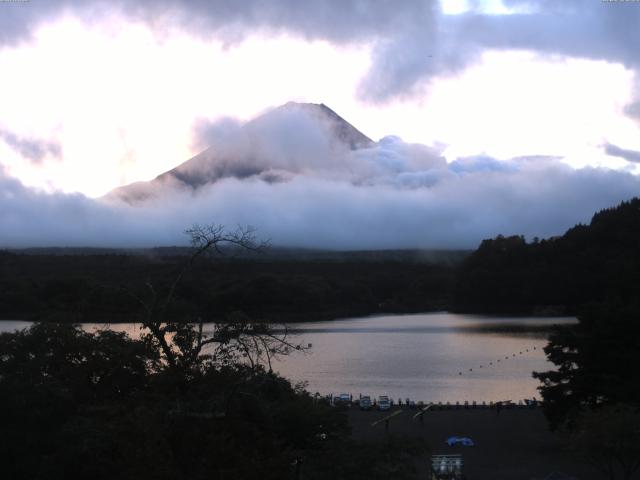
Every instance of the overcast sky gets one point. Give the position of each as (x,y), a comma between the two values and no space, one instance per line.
(525,116)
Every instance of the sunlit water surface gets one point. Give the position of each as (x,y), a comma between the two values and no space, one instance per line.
(430,357)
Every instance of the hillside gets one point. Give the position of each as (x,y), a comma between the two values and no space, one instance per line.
(589,263)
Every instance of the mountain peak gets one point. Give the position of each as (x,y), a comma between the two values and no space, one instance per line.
(343,130)
(253,153)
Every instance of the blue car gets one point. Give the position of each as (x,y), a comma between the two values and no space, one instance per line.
(464,441)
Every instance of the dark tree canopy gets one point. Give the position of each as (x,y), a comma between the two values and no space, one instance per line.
(589,263)
(596,362)
(86,287)
(76,405)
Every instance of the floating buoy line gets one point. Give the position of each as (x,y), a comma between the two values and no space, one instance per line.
(507,357)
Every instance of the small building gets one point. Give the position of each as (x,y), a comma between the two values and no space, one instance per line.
(446,467)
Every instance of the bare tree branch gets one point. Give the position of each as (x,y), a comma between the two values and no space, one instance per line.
(238,339)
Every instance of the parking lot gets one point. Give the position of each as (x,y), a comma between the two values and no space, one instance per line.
(512,444)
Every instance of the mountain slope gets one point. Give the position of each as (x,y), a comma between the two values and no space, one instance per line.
(589,263)
(273,146)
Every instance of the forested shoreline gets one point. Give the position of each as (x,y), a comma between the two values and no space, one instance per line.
(104,287)
(594,263)
(505,275)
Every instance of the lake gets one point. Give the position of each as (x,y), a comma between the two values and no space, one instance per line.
(430,357)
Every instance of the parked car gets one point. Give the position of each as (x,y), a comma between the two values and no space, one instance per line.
(365,403)
(342,399)
(384,403)
(464,441)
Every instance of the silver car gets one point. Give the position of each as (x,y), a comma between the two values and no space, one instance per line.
(365,403)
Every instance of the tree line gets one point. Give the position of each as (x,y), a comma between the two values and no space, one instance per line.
(589,263)
(93,287)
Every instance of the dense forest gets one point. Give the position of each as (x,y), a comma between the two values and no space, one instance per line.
(85,286)
(589,263)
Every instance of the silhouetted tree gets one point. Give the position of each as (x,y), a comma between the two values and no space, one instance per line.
(185,347)
(56,381)
(77,405)
(596,363)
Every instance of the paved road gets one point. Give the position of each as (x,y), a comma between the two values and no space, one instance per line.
(516,444)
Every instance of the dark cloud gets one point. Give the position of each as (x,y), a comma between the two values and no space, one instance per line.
(628,155)
(599,32)
(32,149)
(596,30)
(335,20)
(633,110)
(339,21)
(404,63)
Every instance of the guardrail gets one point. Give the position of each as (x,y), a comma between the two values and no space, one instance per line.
(412,404)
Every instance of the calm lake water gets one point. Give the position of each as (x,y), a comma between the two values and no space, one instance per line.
(430,357)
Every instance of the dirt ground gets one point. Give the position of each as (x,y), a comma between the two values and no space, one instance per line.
(514,444)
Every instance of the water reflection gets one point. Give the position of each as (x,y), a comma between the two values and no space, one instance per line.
(430,357)
(540,331)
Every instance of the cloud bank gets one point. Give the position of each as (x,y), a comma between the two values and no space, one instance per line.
(299,188)
(390,195)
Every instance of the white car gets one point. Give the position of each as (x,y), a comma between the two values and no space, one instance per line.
(384,403)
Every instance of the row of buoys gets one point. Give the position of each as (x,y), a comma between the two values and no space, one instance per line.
(507,357)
